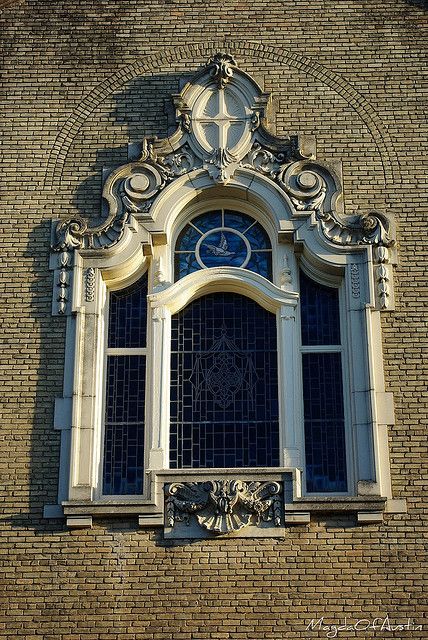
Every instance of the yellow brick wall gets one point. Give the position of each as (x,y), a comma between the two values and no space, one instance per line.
(83,79)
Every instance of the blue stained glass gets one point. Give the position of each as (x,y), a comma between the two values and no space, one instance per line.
(224,384)
(223,248)
(261,262)
(124,425)
(257,237)
(226,239)
(324,423)
(208,221)
(238,221)
(128,316)
(320,317)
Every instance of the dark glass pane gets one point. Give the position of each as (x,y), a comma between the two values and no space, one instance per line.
(238,221)
(261,262)
(187,239)
(185,263)
(224,384)
(324,422)
(257,237)
(207,221)
(124,425)
(128,316)
(319,313)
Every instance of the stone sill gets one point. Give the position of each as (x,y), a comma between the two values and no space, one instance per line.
(368,510)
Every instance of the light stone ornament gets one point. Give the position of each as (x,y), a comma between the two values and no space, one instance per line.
(220,156)
(224,506)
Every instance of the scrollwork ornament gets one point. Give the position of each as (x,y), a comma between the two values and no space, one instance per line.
(306,188)
(264,161)
(222,69)
(179,163)
(70,234)
(224,506)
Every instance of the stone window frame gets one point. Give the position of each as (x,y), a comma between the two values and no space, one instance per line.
(298,201)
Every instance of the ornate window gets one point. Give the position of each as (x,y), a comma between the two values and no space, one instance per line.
(223,331)
(223,238)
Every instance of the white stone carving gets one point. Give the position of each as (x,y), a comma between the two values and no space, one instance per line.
(224,506)
(382,276)
(285,275)
(221,68)
(63,281)
(355,280)
(90,284)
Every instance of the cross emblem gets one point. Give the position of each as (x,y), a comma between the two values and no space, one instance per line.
(221,122)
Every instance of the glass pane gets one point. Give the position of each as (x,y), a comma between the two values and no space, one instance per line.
(324,422)
(319,313)
(223,248)
(128,316)
(124,425)
(228,239)
(224,384)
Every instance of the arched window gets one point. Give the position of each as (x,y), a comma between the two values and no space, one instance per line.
(221,355)
(223,238)
(224,384)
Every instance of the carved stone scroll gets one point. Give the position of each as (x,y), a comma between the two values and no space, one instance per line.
(224,506)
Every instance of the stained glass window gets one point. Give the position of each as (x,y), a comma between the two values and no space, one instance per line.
(322,388)
(125,391)
(224,384)
(223,238)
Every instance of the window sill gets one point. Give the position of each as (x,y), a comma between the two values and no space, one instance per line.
(194,503)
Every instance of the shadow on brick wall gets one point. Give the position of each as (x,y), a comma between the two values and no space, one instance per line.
(145,108)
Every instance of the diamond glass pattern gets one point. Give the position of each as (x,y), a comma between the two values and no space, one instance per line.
(223,238)
(224,384)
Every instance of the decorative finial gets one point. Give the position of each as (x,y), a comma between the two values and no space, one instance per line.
(222,68)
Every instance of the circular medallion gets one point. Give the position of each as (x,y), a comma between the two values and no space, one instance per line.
(223,247)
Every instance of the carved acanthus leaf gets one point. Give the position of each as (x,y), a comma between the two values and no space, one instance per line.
(222,68)
(223,506)
(370,228)
(75,233)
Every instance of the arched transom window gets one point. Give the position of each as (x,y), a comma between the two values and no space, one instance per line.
(223,238)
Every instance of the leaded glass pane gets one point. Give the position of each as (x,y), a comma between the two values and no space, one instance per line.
(128,316)
(223,238)
(224,384)
(324,422)
(124,425)
(319,313)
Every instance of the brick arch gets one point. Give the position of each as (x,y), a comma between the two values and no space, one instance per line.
(152,63)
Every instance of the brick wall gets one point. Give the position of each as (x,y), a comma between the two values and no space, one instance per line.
(81,80)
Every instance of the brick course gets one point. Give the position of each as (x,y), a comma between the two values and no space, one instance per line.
(81,80)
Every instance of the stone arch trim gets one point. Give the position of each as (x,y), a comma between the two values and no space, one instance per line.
(151,63)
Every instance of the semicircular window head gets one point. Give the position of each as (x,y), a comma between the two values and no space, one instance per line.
(223,238)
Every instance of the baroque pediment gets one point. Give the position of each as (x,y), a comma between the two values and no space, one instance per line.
(221,132)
